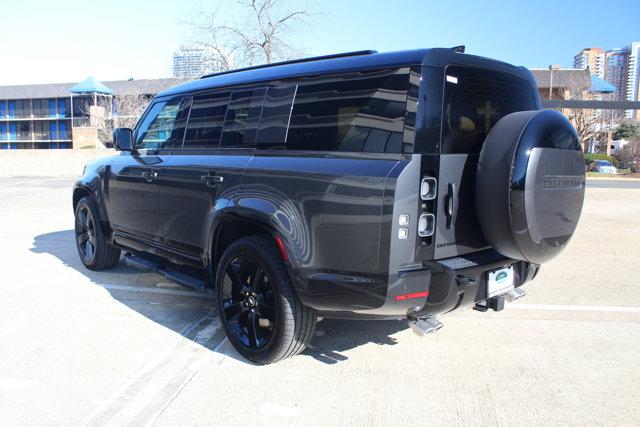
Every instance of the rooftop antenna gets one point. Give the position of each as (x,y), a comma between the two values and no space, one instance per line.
(458,49)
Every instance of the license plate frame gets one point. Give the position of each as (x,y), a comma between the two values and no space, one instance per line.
(500,281)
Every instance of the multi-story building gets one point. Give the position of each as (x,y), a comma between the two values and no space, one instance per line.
(632,75)
(619,66)
(189,62)
(592,58)
(616,64)
(48,115)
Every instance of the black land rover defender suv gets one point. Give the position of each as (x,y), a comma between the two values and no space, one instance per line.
(362,185)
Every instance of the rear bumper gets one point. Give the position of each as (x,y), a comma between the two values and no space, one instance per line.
(450,284)
(461,281)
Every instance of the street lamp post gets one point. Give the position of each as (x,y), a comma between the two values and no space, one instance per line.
(552,68)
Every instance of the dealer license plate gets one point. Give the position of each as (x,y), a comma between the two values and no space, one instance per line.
(499,281)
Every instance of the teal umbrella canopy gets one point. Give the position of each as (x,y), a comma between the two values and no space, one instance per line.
(599,85)
(91,85)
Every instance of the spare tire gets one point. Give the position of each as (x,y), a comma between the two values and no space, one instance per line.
(530,185)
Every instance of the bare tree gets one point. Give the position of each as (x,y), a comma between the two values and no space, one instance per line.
(262,35)
(588,122)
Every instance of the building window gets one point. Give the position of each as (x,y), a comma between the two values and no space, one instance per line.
(13,132)
(24,131)
(53,131)
(62,130)
(52,108)
(40,108)
(3,109)
(62,107)
(12,109)
(4,136)
(358,112)
(41,131)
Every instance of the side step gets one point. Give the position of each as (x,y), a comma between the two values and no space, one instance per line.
(173,275)
(424,326)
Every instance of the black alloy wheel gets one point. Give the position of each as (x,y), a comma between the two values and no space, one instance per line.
(94,250)
(248,303)
(86,234)
(259,310)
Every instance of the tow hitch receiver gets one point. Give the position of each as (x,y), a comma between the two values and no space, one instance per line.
(425,326)
(495,304)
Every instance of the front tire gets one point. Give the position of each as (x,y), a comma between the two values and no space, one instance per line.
(259,310)
(93,249)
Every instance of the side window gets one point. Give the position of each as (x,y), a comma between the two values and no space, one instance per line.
(206,120)
(243,115)
(276,112)
(162,126)
(358,112)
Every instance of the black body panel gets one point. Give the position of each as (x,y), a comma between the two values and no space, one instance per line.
(337,212)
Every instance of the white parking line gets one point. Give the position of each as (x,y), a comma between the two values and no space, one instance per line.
(158,291)
(594,308)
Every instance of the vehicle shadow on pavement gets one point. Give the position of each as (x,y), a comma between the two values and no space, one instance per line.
(334,336)
(184,311)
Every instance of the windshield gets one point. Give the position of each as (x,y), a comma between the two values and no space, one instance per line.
(603,163)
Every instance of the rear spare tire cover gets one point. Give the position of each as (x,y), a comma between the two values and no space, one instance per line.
(530,185)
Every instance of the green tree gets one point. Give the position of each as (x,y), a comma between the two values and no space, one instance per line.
(629,131)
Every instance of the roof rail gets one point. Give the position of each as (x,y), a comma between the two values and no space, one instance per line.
(294,61)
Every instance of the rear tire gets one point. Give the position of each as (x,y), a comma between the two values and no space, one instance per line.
(259,310)
(93,249)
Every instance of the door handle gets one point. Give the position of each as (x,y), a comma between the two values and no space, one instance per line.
(450,207)
(149,176)
(211,179)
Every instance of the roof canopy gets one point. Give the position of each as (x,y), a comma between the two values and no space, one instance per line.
(91,85)
(599,85)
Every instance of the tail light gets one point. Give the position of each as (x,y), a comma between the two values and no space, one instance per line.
(426,225)
(428,188)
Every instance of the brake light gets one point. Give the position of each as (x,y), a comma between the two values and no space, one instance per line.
(412,296)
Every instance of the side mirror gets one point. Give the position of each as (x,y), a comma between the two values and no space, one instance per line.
(123,139)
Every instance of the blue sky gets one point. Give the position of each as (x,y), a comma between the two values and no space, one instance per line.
(68,40)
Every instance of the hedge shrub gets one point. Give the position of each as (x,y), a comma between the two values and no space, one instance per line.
(588,158)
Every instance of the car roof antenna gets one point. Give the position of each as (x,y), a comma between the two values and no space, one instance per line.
(458,49)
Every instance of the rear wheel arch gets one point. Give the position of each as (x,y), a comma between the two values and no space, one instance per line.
(231,228)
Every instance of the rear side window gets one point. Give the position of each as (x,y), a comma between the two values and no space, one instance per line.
(242,118)
(357,112)
(276,112)
(474,100)
(206,120)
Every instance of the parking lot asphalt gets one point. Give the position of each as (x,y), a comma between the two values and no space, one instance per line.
(125,347)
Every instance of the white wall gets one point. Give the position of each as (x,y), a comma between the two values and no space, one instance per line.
(47,163)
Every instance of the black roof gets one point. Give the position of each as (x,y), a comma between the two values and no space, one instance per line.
(437,57)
